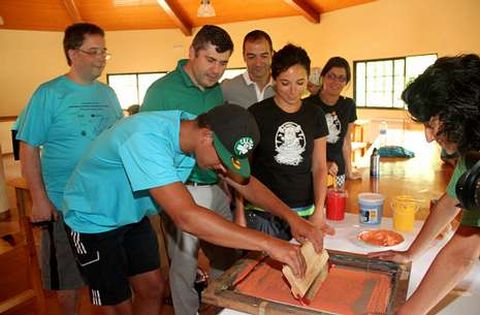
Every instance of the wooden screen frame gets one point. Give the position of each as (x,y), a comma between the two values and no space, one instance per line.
(221,292)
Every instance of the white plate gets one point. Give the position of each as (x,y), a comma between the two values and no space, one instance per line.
(356,238)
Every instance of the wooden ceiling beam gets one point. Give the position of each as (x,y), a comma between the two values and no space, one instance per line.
(72,10)
(304,7)
(176,16)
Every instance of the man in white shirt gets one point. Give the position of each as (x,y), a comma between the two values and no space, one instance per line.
(255,84)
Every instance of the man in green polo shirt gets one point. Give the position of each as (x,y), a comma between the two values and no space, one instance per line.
(193,87)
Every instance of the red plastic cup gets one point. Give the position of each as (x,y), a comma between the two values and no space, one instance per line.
(336,200)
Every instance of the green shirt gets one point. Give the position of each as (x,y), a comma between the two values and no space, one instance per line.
(470,217)
(176,91)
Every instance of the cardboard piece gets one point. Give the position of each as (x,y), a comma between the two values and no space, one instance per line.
(317,264)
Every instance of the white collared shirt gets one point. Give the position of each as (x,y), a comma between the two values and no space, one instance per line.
(260,94)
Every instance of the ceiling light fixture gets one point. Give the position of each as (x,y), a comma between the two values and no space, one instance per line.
(205,9)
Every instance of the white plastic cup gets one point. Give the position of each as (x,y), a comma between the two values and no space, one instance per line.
(371,208)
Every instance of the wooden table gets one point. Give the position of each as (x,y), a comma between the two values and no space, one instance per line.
(424,177)
(462,300)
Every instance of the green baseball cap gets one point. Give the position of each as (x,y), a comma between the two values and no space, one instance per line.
(235,136)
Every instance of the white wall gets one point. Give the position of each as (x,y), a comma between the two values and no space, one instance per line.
(380,29)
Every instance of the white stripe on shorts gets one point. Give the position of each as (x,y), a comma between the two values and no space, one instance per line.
(80,248)
(96,297)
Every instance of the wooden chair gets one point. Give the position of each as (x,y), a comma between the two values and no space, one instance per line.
(358,143)
(23,280)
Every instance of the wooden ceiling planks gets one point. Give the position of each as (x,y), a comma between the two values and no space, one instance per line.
(147,15)
(42,15)
(72,10)
(331,5)
(176,15)
(305,9)
(55,15)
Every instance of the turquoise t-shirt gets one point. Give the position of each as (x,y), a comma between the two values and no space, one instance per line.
(109,188)
(470,217)
(63,118)
(176,91)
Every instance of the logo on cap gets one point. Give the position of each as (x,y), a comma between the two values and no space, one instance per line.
(242,146)
(236,163)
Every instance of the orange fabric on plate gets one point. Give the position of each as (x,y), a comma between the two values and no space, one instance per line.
(381,237)
(346,290)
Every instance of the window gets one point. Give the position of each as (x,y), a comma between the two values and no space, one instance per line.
(380,83)
(231,73)
(131,87)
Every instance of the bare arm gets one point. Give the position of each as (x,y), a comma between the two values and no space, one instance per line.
(209,226)
(261,196)
(240,210)
(319,174)
(449,267)
(42,208)
(444,212)
(350,172)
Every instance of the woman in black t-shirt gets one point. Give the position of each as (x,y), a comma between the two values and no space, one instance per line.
(291,156)
(340,114)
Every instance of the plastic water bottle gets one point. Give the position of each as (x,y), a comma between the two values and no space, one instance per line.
(383,133)
(375,163)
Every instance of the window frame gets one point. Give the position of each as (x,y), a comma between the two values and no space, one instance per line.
(137,85)
(405,77)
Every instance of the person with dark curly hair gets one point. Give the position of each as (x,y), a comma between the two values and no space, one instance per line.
(291,156)
(446,99)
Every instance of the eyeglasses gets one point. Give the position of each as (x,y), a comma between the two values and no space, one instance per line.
(333,77)
(96,52)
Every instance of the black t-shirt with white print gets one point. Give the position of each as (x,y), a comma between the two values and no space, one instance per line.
(283,158)
(338,117)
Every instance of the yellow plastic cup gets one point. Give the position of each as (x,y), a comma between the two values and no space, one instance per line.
(404,208)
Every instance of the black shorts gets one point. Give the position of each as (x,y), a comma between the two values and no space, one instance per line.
(108,259)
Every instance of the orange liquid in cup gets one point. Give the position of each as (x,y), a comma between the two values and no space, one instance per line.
(336,200)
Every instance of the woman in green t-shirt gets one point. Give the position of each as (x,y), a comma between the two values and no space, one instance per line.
(446,99)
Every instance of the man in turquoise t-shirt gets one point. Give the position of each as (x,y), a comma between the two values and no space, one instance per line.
(143,161)
(446,99)
(61,119)
(193,87)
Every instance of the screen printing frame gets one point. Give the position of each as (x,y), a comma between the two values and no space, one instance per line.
(221,292)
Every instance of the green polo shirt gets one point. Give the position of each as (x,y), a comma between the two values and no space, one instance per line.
(470,217)
(176,91)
